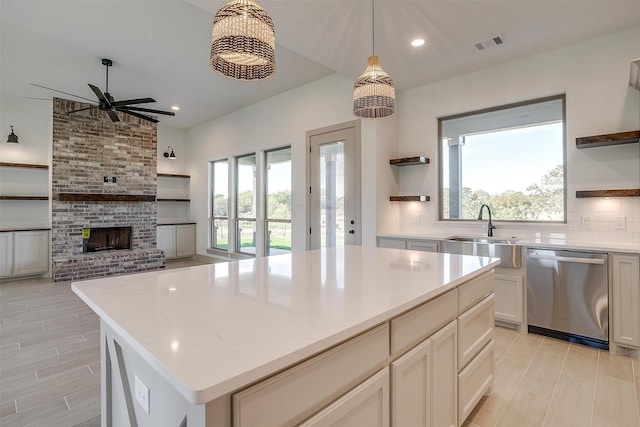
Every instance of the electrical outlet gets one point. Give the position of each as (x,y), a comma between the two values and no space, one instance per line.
(620,222)
(586,222)
(142,394)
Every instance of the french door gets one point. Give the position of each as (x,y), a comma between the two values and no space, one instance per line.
(334,187)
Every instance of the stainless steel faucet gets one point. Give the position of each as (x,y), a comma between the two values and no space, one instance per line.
(490,226)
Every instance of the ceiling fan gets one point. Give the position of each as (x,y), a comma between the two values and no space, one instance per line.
(108,104)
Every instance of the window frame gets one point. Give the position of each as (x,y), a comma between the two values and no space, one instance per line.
(237,218)
(214,217)
(562,98)
(267,220)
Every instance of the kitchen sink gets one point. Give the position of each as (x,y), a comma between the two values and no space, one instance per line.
(508,250)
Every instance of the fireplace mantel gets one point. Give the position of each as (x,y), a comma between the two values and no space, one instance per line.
(100,197)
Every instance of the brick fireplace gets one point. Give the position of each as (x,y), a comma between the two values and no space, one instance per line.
(104,175)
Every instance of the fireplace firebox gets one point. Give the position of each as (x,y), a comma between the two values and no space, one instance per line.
(106,239)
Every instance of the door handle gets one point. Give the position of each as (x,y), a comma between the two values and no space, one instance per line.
(352,232)
(598,261)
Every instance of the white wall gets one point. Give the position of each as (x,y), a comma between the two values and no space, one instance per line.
(279,121)
(594,75)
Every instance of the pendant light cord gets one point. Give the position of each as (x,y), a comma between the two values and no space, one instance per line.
(373,27)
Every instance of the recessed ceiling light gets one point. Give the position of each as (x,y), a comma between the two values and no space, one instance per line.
(175,108)
(417,42)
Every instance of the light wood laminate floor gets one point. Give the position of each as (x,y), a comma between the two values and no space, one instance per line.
(50,370)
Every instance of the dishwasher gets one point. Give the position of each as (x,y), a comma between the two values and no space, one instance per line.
(568,295)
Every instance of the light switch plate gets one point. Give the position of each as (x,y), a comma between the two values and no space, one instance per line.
(586,222)
(142,394)
(620,222)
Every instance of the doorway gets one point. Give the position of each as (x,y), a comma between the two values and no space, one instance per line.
(333,164)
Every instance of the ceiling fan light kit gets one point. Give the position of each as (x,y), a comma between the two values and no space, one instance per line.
(374,95)
(243,41)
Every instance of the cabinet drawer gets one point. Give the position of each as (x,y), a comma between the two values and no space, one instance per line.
(422,245)
(296,393)
(474,381)
(366,405)
(414,326)
(475,290)
(385,242)
(475,330)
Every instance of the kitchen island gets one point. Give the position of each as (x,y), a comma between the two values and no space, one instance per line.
(347,335)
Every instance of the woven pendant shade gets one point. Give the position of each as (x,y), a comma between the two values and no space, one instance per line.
(373,93)
(243,41)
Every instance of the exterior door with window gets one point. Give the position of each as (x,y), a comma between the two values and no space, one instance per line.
(334,187)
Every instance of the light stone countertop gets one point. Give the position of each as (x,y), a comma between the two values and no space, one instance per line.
(559,243)
(212,329)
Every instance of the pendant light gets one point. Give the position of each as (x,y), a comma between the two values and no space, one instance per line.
(12,137)
(373,92)
(243,41)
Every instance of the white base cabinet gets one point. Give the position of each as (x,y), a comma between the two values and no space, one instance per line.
(509,301)
(24,253)
(625,306)
(177,240)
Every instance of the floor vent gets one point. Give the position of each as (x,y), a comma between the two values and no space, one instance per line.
(489,43)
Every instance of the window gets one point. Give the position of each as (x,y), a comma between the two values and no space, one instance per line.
(278,201)
(220,204)
(246,204)
(511,158)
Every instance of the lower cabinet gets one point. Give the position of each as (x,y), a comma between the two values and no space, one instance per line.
(509,302)
(366,405)
(177,240)
(413,370)
(24,253)
(411,244)
(625,306)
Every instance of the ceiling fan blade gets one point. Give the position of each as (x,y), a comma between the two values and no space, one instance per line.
(113,115)
(79,109)
(132,101)
(140,116)
(66,93)
(149,110)
(103,99)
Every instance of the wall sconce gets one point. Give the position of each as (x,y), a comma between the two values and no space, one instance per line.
(171,156)
(12,137)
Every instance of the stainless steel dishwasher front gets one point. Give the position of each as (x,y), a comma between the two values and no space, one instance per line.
(567,295)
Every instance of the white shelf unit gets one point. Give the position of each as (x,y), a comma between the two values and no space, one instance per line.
(24,196)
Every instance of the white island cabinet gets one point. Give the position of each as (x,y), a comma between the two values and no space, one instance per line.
(349,336)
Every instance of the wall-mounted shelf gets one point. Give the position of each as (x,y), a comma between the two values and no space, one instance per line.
(174,200)
(409,198)
(619,138)
(23,165)
(608,193)
(24,197)
(173,175)
(409,161)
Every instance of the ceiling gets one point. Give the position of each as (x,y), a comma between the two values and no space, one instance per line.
(160,48)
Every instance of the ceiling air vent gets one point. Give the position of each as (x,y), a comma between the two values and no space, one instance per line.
(488,43)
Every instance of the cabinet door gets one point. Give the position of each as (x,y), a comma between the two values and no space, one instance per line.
(166,240)
(185,240)
(475,330)
(6,254)
(386,242)
(30,252)
(509,301)
(475,380)
(626,300)
(422,245)
(444,374)
(411,387)
(366,405)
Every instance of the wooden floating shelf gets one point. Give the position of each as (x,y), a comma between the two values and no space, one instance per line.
(619,138)
(608,193)
(173,175)
(98,197)
(174,200)
(24,165)
(24,197)
(409,198)
(409,161)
